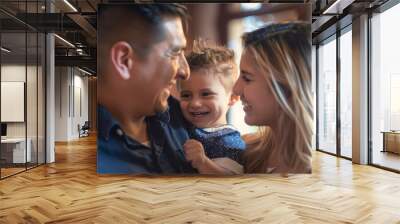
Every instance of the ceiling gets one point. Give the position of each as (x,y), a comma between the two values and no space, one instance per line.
(76,22)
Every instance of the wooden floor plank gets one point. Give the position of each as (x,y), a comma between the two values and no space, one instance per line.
(70,191)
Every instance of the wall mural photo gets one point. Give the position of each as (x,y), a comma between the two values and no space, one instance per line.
(181,91)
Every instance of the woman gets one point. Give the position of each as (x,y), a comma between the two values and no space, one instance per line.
(275,89)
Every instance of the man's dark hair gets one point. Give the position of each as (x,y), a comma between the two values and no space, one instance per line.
(137,24)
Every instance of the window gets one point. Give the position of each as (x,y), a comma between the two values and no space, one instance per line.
(385,86)
(327,96)
(22,65)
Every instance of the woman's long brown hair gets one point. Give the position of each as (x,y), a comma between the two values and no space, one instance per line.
(283,51)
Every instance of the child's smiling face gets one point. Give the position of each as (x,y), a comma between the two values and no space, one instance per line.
(204,99)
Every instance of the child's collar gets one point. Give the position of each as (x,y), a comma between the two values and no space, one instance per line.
(219,128)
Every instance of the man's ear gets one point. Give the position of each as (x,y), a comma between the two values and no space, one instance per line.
(122,59)
(234,98)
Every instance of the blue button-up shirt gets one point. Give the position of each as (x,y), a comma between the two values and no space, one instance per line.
(117,153)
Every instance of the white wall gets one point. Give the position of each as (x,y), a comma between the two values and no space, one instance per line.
(16,73)
(61,103)
(33,126)
(71,93)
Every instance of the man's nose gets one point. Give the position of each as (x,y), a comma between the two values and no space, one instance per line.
(183,70)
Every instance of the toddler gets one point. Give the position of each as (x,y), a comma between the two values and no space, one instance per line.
(215,147)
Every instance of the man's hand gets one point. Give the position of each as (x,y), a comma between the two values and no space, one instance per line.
(194,153)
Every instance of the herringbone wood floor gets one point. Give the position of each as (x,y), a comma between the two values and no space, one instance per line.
(70,191)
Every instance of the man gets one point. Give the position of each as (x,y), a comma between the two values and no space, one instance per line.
(140,59)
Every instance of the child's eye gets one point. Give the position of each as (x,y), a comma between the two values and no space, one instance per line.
(185,96)
(206,94)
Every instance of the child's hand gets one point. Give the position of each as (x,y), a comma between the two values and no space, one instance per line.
(194,153)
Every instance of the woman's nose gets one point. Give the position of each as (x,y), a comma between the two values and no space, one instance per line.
(237,88)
